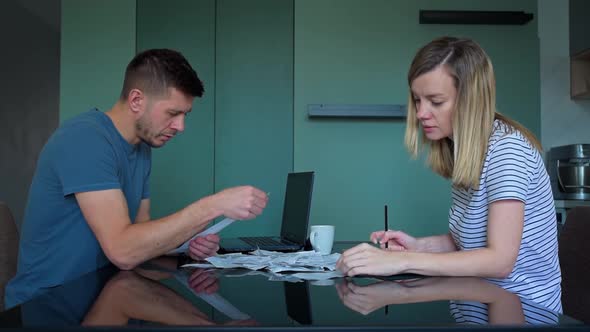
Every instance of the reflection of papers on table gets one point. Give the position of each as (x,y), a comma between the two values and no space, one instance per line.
(211,230)
(290,277)
(309,264)
(215,300)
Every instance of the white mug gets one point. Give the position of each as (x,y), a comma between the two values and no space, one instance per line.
(322,238)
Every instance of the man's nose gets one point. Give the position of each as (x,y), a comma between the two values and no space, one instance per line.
(178,124)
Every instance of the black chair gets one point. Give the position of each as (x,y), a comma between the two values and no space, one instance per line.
(574,258)
(8,248)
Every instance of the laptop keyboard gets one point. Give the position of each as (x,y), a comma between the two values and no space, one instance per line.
(261,241)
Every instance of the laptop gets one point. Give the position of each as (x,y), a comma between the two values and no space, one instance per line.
(295,222)
(298,301)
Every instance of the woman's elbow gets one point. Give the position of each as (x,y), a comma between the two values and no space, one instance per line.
(502,270)
(501,273)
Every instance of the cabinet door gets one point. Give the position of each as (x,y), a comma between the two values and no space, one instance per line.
(579,26)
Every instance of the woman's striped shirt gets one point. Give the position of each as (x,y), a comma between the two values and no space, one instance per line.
(514,169)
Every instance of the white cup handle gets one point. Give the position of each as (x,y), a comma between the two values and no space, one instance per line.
(312,238)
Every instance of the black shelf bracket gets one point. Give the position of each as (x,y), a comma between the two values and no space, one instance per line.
(474,17)
(356,111)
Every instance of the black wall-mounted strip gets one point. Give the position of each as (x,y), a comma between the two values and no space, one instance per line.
(474,17)
(356,111)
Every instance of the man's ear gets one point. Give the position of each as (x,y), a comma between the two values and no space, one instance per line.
(136,101)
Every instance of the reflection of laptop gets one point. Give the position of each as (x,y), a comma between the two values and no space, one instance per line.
(298,301)
(295,220)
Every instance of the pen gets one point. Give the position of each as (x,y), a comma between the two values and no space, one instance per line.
(386,245)
(386,224)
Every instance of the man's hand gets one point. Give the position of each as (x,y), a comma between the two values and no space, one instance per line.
(239,203)
(204,246)
(202,281)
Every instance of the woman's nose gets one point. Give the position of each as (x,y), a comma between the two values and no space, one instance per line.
(421,112)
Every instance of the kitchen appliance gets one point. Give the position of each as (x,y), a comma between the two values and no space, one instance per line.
(569,170)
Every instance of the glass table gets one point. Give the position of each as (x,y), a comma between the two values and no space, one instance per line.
(160,296)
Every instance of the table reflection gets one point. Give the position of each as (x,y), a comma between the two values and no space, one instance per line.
(159,294)
(472,300)
(135,296)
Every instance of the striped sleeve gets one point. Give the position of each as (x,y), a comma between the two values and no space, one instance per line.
(508,170)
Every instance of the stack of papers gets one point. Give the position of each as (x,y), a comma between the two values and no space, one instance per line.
(309,263)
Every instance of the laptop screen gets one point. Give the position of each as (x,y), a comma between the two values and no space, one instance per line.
(297,206)
(298,301)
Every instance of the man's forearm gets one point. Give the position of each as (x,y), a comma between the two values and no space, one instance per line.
(129,296)
(142,241)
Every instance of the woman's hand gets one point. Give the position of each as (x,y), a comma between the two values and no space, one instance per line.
(366,299)
(396,240)
(366,259)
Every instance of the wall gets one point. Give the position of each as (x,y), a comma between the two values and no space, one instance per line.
(563,120)
(30,92)
(97,41)
(349,51)
(183,171)
(254,103)
(241,131)
(262,62)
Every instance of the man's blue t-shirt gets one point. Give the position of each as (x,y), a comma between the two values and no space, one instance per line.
(86,153)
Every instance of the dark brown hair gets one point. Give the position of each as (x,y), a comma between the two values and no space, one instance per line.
(154,71)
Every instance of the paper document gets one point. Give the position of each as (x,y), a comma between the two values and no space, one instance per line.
(211,230)
(311,263)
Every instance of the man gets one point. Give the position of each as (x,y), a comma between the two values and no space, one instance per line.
(89,200)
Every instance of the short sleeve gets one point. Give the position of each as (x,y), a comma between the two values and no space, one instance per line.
(85,160)
(507,170)
(146,178)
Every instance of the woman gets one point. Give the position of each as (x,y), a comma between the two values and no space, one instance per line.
(502,221)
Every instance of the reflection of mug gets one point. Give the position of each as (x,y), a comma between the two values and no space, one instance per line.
(321,238)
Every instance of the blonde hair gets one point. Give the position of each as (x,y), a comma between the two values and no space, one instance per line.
(460,159)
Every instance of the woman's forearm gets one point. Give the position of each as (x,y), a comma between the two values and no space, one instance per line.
(437,243)
(484,262)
